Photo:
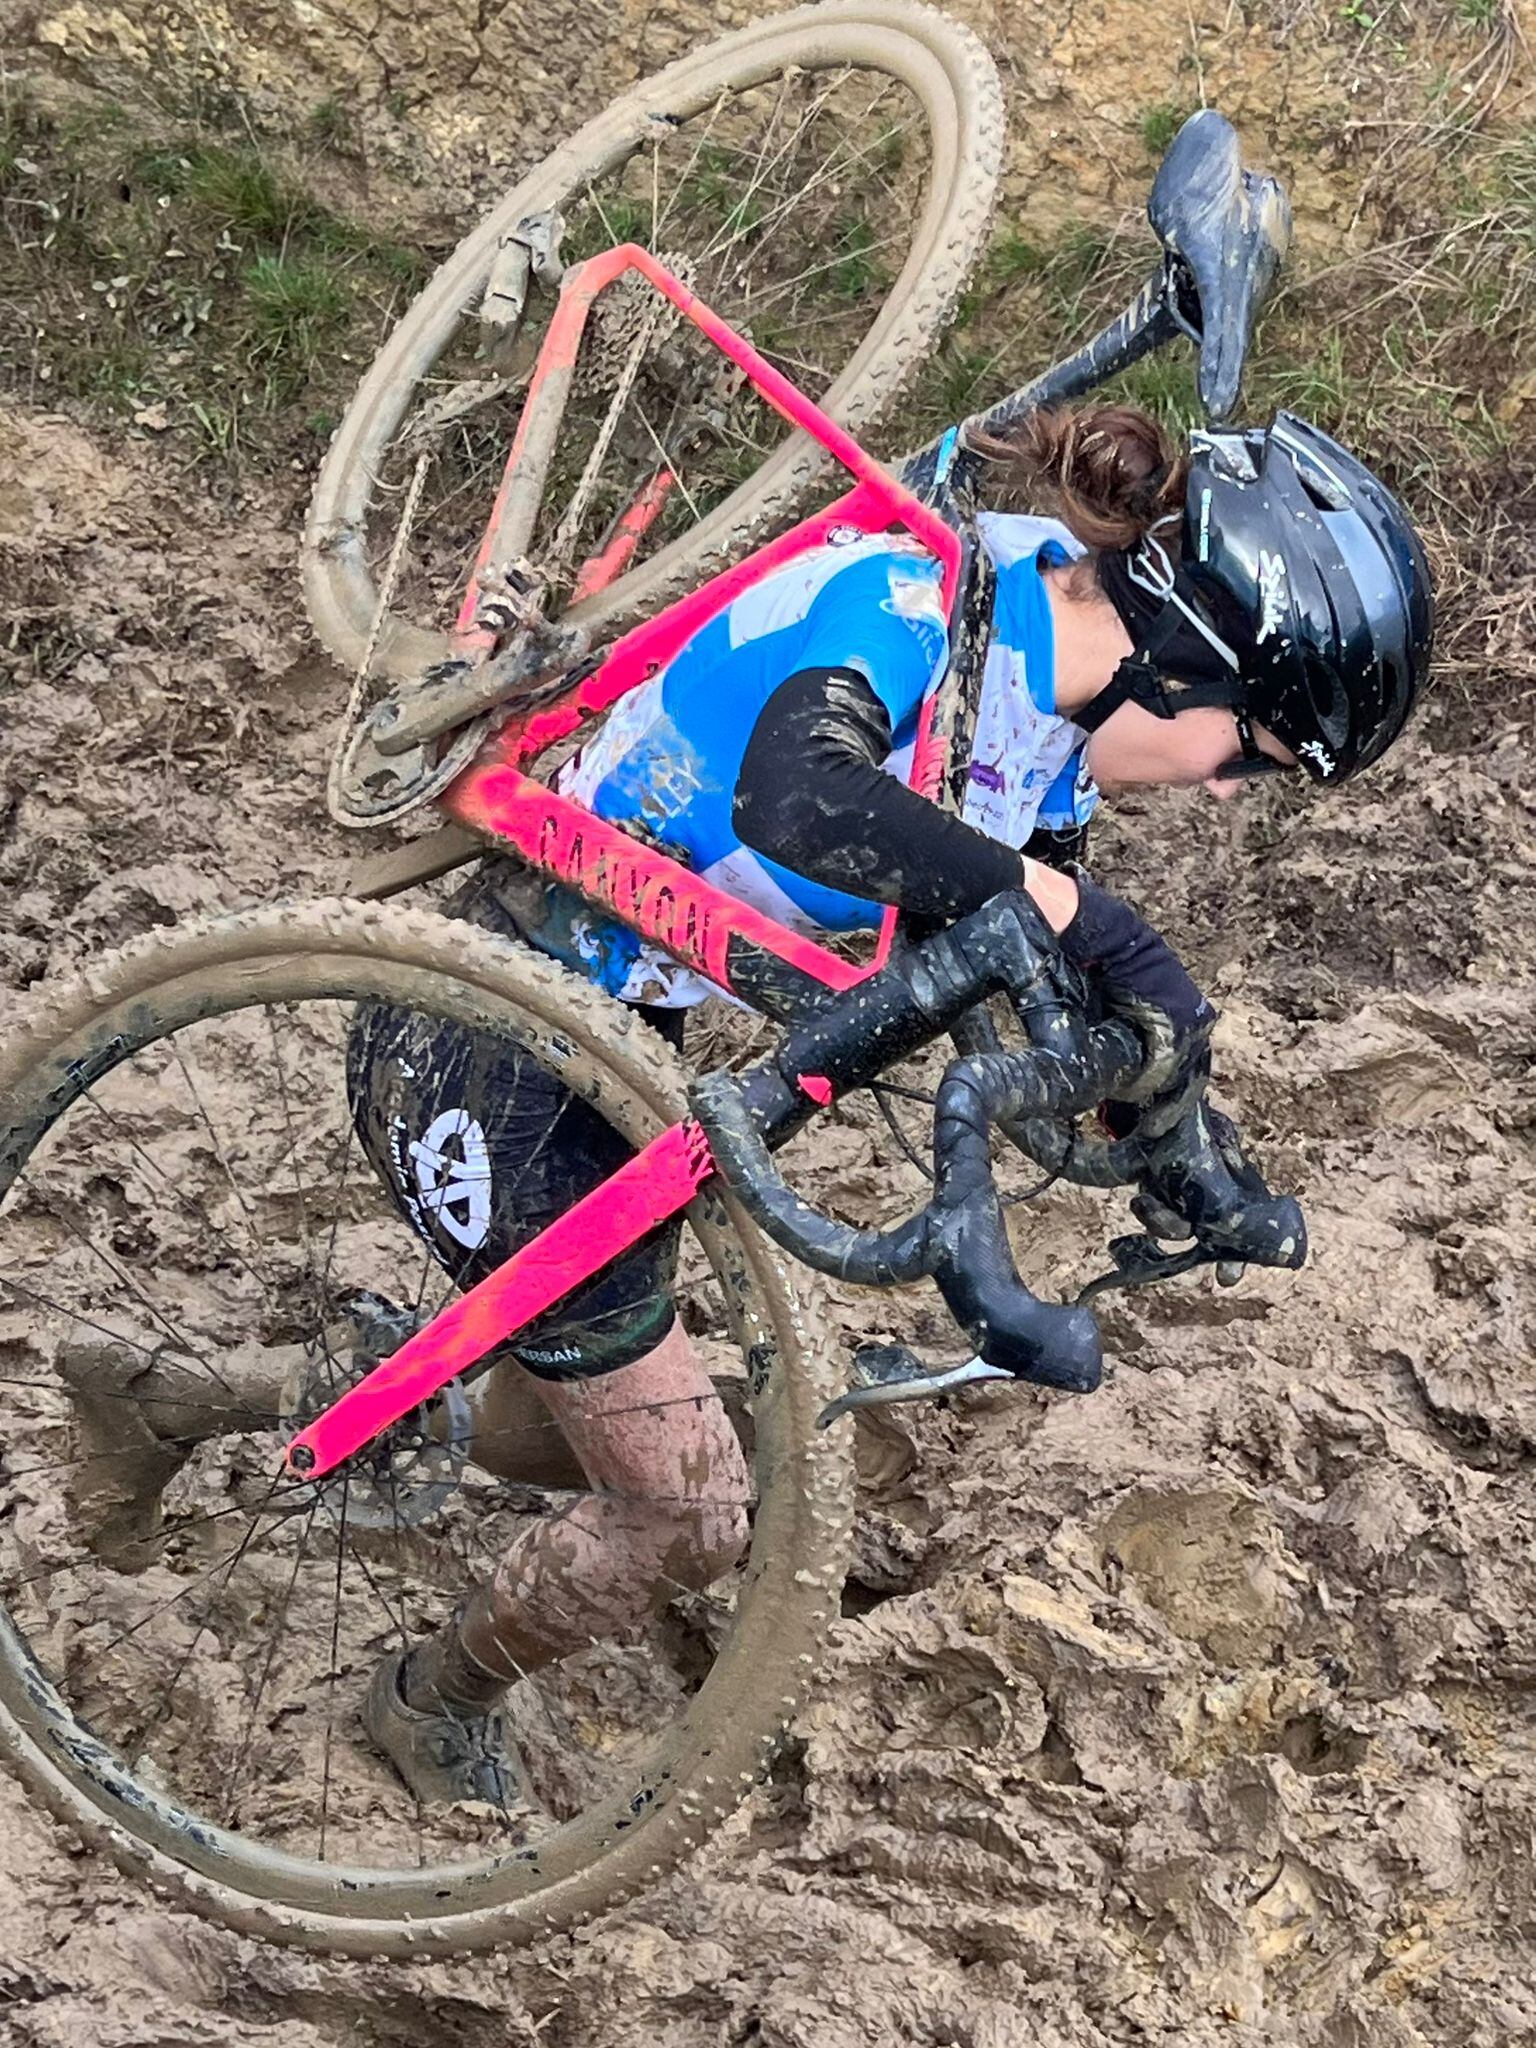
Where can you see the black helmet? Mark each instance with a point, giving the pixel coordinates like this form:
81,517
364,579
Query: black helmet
1301,599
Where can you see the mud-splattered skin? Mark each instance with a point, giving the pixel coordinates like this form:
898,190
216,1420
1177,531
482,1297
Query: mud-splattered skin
655,1522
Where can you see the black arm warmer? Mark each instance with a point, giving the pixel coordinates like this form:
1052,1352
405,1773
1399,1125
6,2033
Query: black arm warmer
812,796
1132,959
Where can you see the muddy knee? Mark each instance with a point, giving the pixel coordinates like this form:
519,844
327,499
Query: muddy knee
701,1544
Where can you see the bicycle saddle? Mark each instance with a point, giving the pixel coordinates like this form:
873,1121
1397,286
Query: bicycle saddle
1227,231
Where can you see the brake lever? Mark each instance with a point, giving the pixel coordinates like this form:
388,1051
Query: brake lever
1140,1261
890,1373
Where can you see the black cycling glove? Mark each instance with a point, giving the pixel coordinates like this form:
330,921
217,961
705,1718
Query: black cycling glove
1197,1181
1143,980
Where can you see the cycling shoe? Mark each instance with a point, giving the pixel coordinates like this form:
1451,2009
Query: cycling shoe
442,1757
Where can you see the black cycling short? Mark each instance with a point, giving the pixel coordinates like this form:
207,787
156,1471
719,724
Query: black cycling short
480,1147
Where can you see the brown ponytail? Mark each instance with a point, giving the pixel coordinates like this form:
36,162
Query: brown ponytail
1108,472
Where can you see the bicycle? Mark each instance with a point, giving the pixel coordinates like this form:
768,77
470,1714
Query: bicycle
282,1395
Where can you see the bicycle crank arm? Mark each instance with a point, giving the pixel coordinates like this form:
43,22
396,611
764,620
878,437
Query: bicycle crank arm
652,1186
456,691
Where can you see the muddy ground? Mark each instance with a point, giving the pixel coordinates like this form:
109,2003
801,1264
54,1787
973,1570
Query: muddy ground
1198,1712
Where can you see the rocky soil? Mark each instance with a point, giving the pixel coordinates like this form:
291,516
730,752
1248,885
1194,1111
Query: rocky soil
1197,1712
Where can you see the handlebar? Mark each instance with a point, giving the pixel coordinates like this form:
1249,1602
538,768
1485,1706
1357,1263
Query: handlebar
960,1237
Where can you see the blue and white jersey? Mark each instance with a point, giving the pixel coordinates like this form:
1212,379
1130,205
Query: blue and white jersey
668,757
1027,766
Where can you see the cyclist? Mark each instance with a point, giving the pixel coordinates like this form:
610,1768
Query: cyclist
1259,603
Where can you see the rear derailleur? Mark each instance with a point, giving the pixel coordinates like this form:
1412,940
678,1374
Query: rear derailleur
425,732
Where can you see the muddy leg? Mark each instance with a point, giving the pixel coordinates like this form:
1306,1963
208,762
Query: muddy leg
515,1435
668,1510
141,1409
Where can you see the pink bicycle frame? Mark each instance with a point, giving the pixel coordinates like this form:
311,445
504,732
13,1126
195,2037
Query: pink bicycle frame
657,897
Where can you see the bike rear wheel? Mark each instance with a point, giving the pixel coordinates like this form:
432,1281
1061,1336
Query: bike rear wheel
823,179
180,1675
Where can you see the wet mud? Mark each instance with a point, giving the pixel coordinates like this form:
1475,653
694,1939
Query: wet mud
1195,1712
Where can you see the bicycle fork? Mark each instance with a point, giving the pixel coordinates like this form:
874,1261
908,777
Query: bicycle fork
959,1239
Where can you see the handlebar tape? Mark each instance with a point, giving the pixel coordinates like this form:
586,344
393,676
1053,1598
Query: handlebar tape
960,1239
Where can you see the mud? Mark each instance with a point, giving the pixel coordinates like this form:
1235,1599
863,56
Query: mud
1197,1712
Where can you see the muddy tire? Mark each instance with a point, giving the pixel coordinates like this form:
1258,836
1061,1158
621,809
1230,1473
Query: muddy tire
949,73
705,1760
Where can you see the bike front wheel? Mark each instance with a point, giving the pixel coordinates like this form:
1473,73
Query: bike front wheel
189,1244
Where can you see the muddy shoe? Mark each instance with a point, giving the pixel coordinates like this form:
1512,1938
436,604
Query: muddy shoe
442,1757
124,1462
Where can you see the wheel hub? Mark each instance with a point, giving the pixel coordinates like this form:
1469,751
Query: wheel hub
406,1475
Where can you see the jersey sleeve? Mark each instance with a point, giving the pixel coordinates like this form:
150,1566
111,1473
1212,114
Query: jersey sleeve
882,617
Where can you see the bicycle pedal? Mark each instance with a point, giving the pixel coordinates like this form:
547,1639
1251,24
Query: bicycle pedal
888,1373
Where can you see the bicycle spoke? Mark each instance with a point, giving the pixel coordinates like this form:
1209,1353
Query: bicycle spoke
180,1528
770,163
815,270
332,1370
681,182
330,1249
762,229
292,1153
24,1179
330,1699
255,1697
185,1200
213,1137
49,1470
405,1645
235,1557
192,1584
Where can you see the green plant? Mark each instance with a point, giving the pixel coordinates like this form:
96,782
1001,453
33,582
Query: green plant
161,267
714,190
250,197
331,125
961,370
1160,122
855,271
219,426
608,219
1164,384
297,305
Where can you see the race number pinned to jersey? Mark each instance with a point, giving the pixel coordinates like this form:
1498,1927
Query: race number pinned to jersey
452,1164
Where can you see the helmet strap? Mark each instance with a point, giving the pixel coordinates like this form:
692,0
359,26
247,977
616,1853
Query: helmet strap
1178,639
1140,680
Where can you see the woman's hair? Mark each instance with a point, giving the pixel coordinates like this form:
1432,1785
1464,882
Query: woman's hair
1108,472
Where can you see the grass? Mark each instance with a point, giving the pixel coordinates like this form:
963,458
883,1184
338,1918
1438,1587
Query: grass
187,278
855,270
331,125
1406,347
191,276
620,218
1159,124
